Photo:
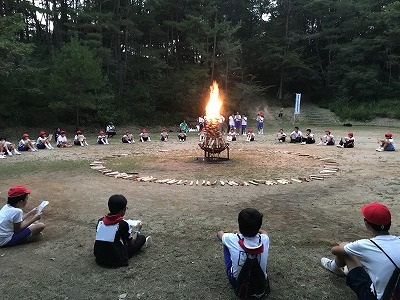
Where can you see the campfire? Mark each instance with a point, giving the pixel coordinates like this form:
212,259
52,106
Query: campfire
214,143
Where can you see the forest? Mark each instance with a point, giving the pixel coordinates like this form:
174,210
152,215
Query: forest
152,61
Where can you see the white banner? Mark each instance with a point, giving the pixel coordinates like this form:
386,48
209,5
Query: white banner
297,105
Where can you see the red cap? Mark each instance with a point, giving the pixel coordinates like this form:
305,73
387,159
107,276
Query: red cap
389,135
328,131
126,131
62,131
25,135
377,213
78,132
350,133
144,130
163,129
42,133
18,190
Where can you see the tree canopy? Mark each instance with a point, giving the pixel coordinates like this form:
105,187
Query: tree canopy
153,60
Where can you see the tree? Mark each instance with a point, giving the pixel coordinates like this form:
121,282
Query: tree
76,80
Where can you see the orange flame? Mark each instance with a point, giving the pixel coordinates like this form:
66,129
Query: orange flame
214,104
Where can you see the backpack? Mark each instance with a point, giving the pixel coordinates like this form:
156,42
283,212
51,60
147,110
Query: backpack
392,290
251,282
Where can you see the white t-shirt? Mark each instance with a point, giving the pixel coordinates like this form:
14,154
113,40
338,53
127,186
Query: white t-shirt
61,140
8,216
376,263
238,256
231,121
244,120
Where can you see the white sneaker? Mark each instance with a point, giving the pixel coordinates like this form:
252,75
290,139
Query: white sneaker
326,263
340,146
148,242
302,143
16,152
9,153
380,149
2,156
320,144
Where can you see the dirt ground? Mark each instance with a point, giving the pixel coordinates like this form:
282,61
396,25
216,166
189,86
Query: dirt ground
185,262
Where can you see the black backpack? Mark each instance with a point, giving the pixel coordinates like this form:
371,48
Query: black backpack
392,290
251,282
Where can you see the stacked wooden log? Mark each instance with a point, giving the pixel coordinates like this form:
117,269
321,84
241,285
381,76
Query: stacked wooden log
214,142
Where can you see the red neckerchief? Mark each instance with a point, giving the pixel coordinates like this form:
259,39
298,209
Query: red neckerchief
112,219
255,251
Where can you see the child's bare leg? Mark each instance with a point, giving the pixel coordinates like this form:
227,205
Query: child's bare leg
347,260
36,228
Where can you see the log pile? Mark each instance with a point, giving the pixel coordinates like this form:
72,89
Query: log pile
213,142
330,168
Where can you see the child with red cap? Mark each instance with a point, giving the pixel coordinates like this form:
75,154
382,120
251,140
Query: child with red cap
102,139
164,135
15,226
250,239
26,144
127,138
347,141
80,139
250,135
366,266
43,141
328,139
387,144
144,136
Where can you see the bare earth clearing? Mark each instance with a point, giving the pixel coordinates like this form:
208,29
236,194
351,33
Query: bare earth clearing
303,219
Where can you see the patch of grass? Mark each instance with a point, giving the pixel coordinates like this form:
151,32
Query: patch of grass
18,169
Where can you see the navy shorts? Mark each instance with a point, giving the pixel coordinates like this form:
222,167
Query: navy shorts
19,238
360,282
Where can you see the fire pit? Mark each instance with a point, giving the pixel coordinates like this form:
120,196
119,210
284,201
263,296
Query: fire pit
214,143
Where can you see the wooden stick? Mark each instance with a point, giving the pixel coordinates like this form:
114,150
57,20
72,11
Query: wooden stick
253,182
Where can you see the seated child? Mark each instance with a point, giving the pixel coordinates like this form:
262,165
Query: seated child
43,141
110,130
249,240
250,135
26,144
281,136
365,265
202,135
347,141
102,139
327,140
7,147
231,137
15,226
182,136
144,136
387,144
80,139
56,134
62,141
164,135
296,135
308,138
127,138
115,241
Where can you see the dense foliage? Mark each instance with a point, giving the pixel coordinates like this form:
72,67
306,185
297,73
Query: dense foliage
152,61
